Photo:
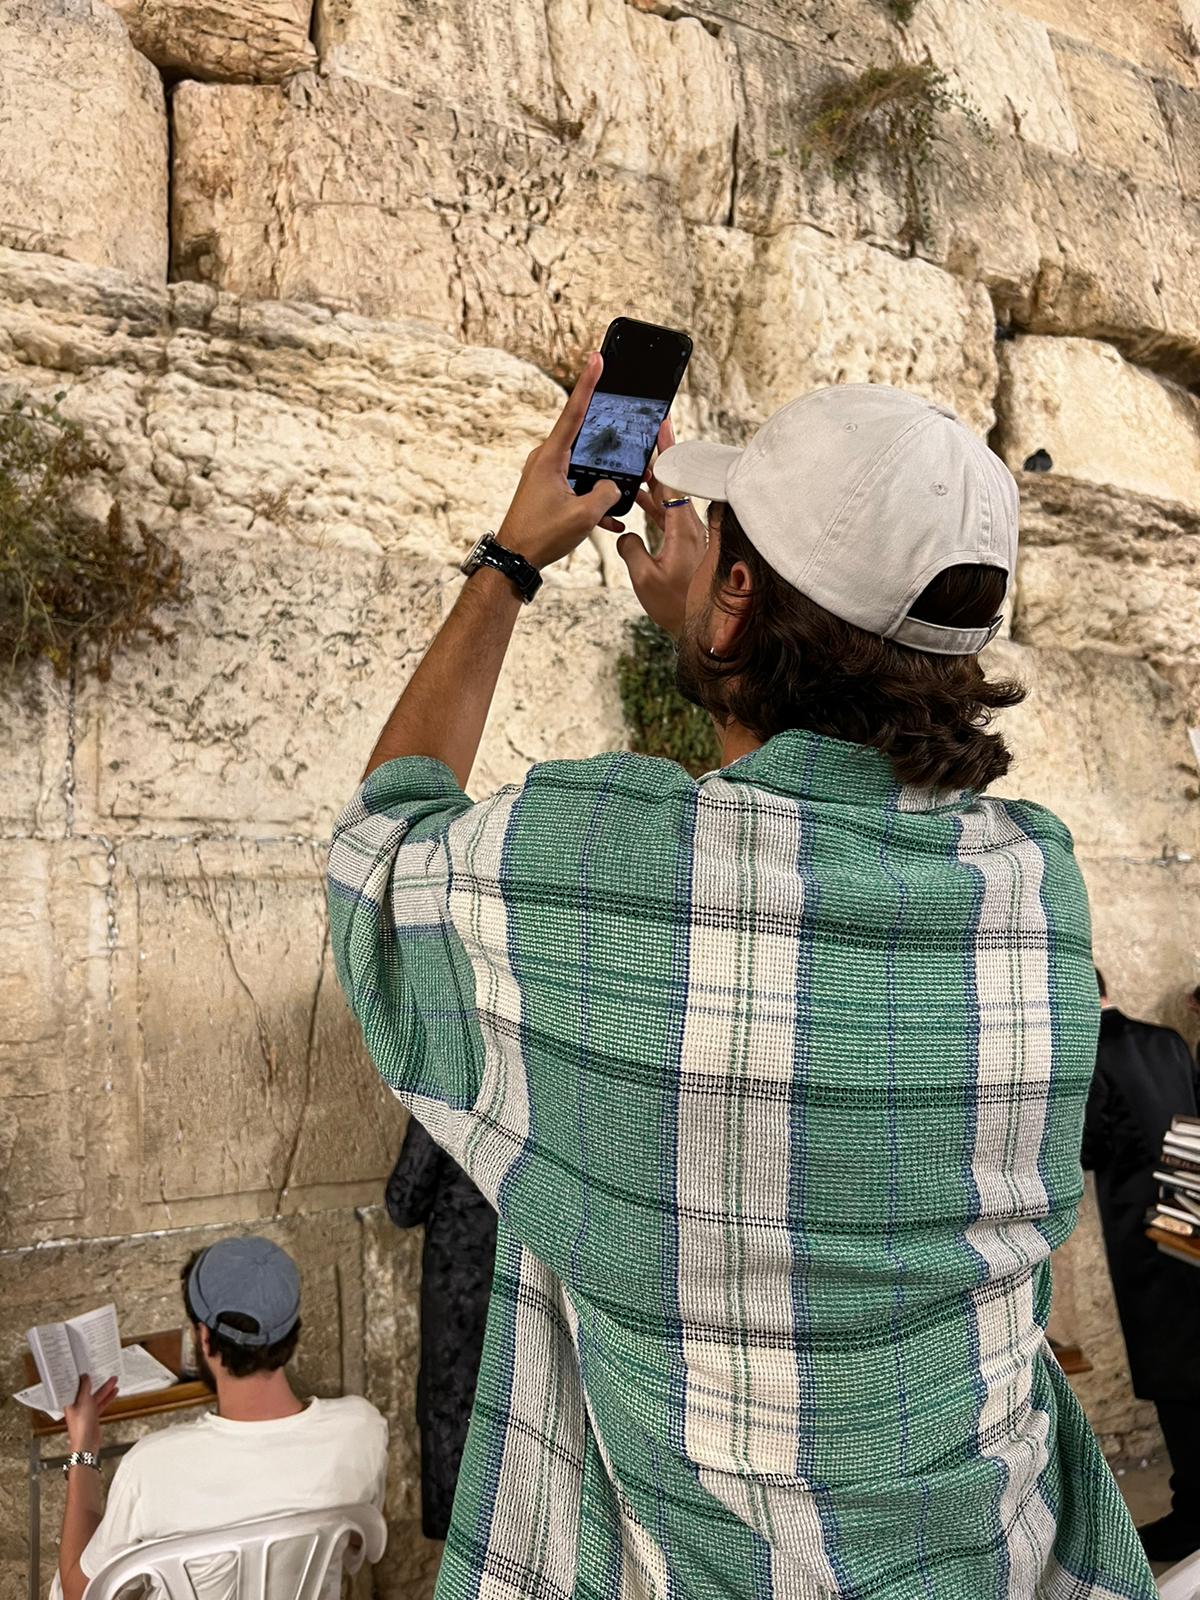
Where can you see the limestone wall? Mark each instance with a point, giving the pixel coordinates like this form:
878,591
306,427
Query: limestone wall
312,279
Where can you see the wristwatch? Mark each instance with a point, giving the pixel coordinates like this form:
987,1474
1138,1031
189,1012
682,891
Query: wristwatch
81,1458
526,579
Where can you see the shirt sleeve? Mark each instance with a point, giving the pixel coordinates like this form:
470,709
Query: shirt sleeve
403,970
119,1528
417,922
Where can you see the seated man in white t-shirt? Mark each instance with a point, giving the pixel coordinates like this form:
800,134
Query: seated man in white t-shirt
262,1454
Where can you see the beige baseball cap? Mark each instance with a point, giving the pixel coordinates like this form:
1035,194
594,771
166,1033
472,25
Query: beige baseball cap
859,496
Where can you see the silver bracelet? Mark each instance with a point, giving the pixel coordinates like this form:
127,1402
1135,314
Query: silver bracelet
81,1458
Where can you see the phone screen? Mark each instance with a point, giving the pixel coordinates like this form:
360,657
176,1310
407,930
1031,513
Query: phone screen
643,366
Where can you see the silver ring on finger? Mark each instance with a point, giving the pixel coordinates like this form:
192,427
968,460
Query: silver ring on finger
684,500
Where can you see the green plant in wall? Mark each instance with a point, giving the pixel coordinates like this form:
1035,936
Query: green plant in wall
892,112
660,721
69,588
900,10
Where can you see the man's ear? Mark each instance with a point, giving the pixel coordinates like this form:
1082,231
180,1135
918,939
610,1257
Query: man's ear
204,1336
729,614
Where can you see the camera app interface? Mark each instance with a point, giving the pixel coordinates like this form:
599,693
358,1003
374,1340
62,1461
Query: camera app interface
635,393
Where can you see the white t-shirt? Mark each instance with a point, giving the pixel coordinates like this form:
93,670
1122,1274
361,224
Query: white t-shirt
214,1473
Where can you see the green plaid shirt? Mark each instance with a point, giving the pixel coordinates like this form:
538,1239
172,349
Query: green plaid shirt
776,1080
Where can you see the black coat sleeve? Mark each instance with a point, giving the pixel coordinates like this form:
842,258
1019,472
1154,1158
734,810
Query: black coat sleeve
1097,1125
413,1185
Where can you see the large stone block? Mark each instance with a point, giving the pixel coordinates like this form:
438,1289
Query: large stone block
351,195
1145,922
810,311
54,1083
1111,569
965,208
492,62
650,96
83,138
1099,417
250,1077
1151,34
1097,274
227,41
1116,113
1002,63
1128,796
323,476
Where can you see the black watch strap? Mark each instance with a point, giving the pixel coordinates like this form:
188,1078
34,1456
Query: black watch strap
525,577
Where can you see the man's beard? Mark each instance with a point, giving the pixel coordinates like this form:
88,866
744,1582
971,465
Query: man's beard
690,653
203,1368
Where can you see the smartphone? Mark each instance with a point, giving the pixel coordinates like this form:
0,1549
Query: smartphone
643,366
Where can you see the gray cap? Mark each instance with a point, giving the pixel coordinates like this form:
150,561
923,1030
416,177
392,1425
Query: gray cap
859,496
252,1278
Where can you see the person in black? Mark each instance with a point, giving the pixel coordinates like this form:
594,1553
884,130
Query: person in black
1145,1075
456,1280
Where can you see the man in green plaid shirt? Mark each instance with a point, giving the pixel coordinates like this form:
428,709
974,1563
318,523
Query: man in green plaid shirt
776,1078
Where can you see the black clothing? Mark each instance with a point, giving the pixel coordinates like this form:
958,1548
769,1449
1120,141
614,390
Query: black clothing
1144,1076
1180,1423
456,1280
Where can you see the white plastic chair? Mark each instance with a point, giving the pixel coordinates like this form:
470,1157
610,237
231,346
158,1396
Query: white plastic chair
1182,1581
328,1534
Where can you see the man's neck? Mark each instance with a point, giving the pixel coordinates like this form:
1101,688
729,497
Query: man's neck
265,1397
737,742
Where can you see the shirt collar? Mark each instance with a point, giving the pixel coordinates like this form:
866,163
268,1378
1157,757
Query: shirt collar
813,766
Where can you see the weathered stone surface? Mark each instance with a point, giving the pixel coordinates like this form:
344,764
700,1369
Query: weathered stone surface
280,1094
1126,797
1099,418
1151,33
34,798
392,1283
809,312
1116,114
1003,64
1180,107
650,96
1096,276
229,41
493,62
1114,569
305,469
351,195
53,948
83,138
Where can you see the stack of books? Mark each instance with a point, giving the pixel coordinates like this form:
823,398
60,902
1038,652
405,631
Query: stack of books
1174,1223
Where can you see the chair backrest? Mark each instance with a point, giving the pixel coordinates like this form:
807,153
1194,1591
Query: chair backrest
1182,1581
312,1540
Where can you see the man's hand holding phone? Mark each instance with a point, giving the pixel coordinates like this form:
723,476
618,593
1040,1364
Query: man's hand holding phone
547,519
661,580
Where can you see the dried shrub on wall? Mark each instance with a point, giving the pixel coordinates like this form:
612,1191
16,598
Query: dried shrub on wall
900,10
70,589
893,112
660,721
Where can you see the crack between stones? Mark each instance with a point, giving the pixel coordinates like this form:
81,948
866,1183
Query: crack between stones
306,1095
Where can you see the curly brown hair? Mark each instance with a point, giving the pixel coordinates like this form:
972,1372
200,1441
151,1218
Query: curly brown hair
796,665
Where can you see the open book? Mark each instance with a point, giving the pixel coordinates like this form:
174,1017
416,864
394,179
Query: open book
64,1351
